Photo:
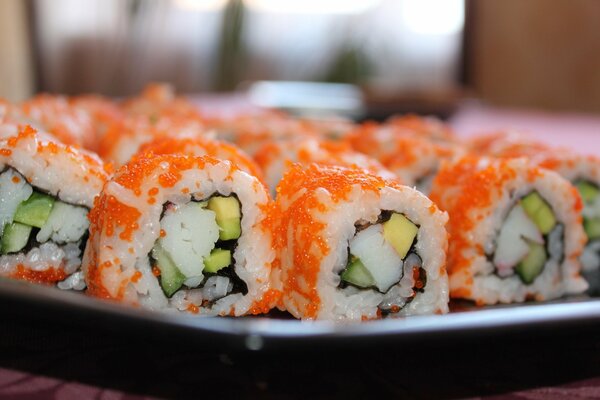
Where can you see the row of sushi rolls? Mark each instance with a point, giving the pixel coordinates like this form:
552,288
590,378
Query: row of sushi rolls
151,202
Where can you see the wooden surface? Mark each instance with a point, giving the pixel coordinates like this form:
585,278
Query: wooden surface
536,53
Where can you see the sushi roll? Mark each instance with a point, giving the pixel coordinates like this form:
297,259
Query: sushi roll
55,114
515,228
251,132
198,146
275,157
414,158
182,233
124,138
353,246
46,191
427,127
582,171
156,113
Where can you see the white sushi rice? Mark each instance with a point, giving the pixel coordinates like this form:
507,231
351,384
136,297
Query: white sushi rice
351,303
46,256
378,256
557,279
191,233
66,223
252,256
73,176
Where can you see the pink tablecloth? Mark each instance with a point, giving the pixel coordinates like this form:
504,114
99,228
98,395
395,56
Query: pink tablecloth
580,132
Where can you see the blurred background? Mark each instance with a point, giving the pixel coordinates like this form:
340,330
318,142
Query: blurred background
402,55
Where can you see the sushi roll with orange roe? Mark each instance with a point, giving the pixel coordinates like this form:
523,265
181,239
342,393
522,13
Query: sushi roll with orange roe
198,146
250,132
581,170
515,228
47,189
275,157
102,111
414,158
124,138
353,246
426,127
156,113
160,99
55,114
182,233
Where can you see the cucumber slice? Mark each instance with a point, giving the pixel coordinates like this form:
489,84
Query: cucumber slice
218,259
357,274
228,216
15,237
171,279
35,210
588,191
533,264
592,227
539,211
400,233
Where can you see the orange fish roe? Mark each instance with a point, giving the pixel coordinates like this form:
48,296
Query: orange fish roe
109,213
410,155
16,179
460,292
137,275
275,155
266,303
203,147
91,165
194,309
50,276
156,271
308,241
5,152
95,286
461,189
133,174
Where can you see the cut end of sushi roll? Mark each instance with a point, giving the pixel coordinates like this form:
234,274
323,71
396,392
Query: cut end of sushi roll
516,231
196,244
186,235
383,257
352,246
45,190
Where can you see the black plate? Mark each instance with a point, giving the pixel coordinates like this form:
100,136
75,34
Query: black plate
279,330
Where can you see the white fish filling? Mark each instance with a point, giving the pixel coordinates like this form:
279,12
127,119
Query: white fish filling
11,195
399,294
511,245
66,223
191,233
378,256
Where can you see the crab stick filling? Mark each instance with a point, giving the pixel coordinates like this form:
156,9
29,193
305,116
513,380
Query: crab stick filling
528,238
196,246
382,257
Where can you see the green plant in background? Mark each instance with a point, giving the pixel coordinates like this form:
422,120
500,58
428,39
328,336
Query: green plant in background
231,48
350,65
